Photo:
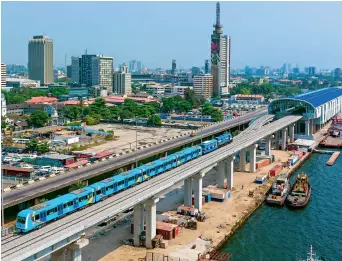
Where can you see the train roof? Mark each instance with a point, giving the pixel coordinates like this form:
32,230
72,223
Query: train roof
82,191
209,141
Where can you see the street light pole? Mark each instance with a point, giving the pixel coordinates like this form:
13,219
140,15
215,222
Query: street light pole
136,142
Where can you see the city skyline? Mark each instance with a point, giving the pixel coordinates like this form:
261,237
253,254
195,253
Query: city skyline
255,42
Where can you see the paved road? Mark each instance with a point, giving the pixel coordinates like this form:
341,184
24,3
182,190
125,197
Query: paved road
73,225
43,187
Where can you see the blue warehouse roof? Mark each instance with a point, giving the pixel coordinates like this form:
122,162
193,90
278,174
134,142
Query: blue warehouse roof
319,97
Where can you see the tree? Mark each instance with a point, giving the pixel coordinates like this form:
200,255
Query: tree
91,120
154,120
184,106
114,112
76,186
130,105
32,145
216,115
125,114
143,111
43,147
38,119
155,105
207,108
3,124
98,103
72,112
58,91
169,104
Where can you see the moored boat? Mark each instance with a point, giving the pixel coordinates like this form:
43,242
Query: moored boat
300,192
280,189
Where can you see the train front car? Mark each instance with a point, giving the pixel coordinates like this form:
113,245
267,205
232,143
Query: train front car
224,139
24,222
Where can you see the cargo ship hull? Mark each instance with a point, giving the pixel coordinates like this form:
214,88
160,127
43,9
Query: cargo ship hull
276,200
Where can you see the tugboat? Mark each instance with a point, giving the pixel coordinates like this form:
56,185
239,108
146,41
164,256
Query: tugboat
280,189
300,193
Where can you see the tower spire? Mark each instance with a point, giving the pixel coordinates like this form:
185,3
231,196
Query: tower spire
218,26
217,13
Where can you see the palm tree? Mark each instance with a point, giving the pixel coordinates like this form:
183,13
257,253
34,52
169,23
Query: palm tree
76,186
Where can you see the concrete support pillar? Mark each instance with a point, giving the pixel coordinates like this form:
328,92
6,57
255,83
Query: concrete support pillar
187,192
252,155
242,160
165,153
59,255
138,218
276,136
230,172
284,138
312,125
74,251
268,141
151,206
85,183
291,132
307,127
36,201
198,190
220,174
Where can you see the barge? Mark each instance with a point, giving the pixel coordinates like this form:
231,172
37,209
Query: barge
280,189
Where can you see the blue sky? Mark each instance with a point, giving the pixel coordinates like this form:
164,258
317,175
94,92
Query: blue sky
263,33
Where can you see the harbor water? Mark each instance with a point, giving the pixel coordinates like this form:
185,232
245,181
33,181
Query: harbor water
273,234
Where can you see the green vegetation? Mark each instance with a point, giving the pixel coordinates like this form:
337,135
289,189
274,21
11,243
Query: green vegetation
215,113
58,91
38,119
34,145
22,94
3,124
76,186
154,120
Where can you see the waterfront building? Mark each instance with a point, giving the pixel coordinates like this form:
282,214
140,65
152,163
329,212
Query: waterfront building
122,81
3,75
220,58
76,65
203,85
40,59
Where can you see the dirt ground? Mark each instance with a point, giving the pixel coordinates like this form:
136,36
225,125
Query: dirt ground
127,136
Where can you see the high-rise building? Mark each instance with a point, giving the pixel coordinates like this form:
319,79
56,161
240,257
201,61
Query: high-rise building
86,69
174,67
312,70
69,71
220,58
3,75
135,66
203,85
139,67
76,69
295,70
40,59
102,72
195,70
122,81
337,73
206,66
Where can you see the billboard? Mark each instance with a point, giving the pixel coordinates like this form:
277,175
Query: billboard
215,49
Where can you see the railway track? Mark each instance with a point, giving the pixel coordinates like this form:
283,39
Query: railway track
95,214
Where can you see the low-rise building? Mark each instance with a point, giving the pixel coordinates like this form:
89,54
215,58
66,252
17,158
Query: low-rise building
155,89
21,82
180,90
41,100
3,105
250,97
25,109
57,160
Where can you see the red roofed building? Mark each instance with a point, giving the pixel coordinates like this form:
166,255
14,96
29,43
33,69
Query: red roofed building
41,99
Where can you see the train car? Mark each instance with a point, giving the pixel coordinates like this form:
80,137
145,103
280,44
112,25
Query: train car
120,182
167,163
37,216
208,146
188,154
224,139
104,188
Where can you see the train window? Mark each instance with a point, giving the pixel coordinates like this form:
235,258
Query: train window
76,200
21,220
69,204
50,211
111,187
120,183
36,217
55,210
65,205
98,192
131,178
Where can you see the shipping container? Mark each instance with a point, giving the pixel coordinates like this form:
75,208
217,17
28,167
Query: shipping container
261,179
187,211
275,170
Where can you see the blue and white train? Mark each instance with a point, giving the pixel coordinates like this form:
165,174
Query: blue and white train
41,214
